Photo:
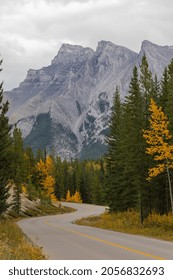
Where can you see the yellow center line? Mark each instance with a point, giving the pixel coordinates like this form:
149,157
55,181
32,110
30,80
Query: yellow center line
106,242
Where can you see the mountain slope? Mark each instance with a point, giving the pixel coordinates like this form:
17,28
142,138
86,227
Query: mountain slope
65,106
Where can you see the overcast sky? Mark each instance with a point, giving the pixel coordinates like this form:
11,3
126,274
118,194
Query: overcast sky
32,31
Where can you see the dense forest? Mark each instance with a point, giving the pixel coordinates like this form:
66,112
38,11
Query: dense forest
135,173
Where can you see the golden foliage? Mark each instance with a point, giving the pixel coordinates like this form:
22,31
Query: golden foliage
41,167
158,136
68,196
77,197
74,198
47,180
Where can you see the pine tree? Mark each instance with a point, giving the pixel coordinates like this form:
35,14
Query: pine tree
30,172
59,179
147,86
136,161
169,104
85,182
127,162
164,89
114,157
18,168
5,151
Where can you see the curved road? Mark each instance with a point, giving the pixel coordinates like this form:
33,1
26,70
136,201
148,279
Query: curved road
61,239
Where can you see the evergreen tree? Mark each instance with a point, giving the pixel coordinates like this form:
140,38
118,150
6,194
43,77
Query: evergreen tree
114,156
30,172
169,104
147,86
166,102
85,184
135,163
18,168
164,89
5,151
127,162
59,179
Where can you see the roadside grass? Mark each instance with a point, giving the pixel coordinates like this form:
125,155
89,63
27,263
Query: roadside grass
42,210
14,245
156,226
48,209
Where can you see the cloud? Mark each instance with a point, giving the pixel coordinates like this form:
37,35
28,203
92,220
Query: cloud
31,31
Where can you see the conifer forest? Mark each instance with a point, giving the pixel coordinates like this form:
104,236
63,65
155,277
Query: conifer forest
135,173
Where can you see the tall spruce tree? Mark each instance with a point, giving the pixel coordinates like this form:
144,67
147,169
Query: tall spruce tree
113,185
18,168
147,87
169,104
163,99
5,151
135,164
166,102
127,162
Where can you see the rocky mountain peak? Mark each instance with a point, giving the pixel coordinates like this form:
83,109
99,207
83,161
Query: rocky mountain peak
71,53
66,106
109,47
147,44
156,55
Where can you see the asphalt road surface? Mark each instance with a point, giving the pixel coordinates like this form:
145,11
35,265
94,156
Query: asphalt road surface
61,239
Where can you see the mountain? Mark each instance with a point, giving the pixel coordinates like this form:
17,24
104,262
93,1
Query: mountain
65,107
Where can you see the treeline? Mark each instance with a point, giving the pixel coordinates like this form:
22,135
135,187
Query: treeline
127,160
42,177
117,180
49,177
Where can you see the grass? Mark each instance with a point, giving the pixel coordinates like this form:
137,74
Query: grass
47,209
155,225
14,245
42,210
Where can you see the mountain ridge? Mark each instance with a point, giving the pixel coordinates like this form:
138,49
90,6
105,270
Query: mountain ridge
68,103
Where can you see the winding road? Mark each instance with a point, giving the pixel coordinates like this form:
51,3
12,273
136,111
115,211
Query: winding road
61,239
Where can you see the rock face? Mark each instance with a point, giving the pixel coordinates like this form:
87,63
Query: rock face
65,107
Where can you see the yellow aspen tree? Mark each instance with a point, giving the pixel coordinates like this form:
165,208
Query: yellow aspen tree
157,137
74,198
49,165
47,180
48,184
41,167
77,197
68,196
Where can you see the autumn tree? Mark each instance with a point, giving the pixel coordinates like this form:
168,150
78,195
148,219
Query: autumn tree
47,180
158,137
76,197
